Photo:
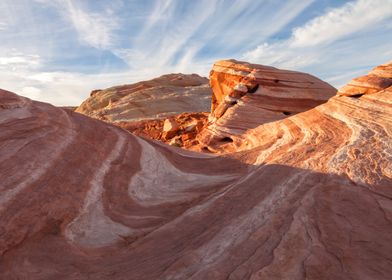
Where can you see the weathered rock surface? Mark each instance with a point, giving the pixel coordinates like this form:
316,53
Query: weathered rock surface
306,197
181,132
154,99
377,79
144,107
248,95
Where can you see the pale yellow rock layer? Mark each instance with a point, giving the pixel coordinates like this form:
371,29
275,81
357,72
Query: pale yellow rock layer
154,99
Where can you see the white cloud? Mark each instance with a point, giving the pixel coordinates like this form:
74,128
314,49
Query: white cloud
180,36
13,60
187,60
43,77
168,39
3,26
339,22
172,39
160,11
338,45
157,47
31,92
65,88
93,29
24,60
281,55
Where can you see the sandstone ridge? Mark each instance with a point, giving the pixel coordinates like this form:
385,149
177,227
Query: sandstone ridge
305,197
158,98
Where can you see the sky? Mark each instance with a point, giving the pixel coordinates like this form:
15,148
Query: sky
57,51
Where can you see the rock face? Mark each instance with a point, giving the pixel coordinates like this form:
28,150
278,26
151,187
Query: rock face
306,197
247,95
158,98
181,130
377,79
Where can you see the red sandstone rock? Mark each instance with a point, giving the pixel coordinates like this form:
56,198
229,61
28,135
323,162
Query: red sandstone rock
376,80
170,129
143,108
186,123
248,95
170,125
306,197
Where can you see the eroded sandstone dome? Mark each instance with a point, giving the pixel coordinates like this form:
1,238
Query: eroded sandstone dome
158,98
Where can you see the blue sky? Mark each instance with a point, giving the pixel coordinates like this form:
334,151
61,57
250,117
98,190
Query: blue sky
57,51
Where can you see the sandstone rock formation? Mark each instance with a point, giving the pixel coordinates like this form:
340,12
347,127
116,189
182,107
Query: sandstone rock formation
377,79
155,99
244,96
182,131
306,197
248,95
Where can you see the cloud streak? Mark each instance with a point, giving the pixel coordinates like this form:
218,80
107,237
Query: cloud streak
3,26
58,51
94,29
334,45
340,22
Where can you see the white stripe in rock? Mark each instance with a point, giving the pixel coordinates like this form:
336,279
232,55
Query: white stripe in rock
92,228
240,228
57,149
159,181
286,138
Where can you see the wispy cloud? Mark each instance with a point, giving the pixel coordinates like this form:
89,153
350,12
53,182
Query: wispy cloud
343,21
25,61
175,34
3,26
95,29
16,60
160,12
336,44
59,50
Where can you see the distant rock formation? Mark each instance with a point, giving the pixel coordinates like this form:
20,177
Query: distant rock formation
304,197
376,80
158,98
248,95
243,96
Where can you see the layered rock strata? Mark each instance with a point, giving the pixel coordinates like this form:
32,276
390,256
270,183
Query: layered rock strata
306,197
158,98
376,80
247,95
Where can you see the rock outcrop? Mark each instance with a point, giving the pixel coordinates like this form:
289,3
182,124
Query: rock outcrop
243,96
248,95
305,197
158,98
376,80
180,131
